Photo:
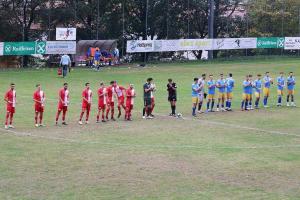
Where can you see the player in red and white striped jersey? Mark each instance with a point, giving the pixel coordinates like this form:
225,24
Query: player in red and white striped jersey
39,103
11,99
86,103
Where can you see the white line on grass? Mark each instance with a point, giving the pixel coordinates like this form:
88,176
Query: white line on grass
224,124
162,146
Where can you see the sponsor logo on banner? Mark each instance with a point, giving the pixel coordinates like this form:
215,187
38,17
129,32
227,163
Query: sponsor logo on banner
166,45
234,43
1,48
292,43
140,46
61,47
195,44
24,48
270,42
65,33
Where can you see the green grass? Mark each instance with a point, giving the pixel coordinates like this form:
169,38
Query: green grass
237,156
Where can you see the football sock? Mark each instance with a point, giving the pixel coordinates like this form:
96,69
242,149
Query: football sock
288,98
194,110
41,118
207,105
81,115
57,115
279,99
212,104
242,104
292,98
6,118
64,115
11,118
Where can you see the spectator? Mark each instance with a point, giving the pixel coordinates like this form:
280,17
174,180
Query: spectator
65,62
97,59
116,55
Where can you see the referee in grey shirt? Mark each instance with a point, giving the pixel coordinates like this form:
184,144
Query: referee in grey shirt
65,62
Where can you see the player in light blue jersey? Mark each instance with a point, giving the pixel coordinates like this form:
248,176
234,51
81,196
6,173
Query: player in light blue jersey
267,84
229,90
250,107
280,87
258,89
211,85
290,82
247,87
221,85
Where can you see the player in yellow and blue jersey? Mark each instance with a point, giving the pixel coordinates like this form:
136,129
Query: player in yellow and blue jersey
247,87
221,85
280,87
267,84
195,95
291,82
229,90
251,92
211,85
258,87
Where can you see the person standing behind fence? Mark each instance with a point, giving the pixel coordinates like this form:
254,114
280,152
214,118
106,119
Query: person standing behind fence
65,62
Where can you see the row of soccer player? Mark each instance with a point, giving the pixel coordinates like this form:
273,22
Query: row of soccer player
260,86
105,103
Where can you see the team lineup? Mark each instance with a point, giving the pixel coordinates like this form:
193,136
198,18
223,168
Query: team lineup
202,89
225,87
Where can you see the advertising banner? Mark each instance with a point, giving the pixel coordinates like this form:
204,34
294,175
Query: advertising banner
270,42
134,46
1,48
61,47
234,43
292,43
65,33
24,48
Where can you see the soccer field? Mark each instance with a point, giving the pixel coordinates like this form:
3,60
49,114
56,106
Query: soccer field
224,155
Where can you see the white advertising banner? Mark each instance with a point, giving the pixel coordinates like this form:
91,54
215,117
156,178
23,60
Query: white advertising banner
1,48
292,43
65,33
234,43
134,46
61,47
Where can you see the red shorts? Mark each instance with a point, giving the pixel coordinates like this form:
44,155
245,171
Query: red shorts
111,104
129,106
10,109
121,100
38,108
86,106
61,107
101,106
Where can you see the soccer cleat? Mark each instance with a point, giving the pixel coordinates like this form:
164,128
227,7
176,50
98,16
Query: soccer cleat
149,117
97,121
6,127
56,123
86,122
266,106
218,110
288,104
42,125
80,122
224,110
36,125
113,119
64,123
293,104
144,117
11,126
103,120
